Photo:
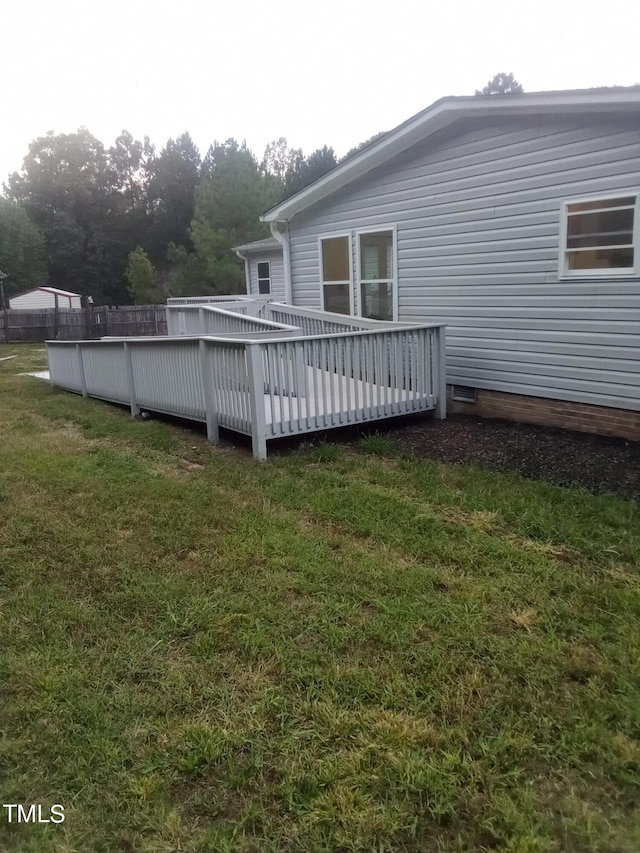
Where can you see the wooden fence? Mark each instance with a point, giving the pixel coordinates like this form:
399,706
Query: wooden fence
81,324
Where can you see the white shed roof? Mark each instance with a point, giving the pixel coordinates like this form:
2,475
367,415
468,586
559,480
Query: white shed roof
55,290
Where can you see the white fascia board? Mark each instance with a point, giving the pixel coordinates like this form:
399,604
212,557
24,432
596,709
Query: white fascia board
440,114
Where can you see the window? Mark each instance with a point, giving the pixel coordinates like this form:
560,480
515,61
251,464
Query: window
335,273
600,237
264,277
377,286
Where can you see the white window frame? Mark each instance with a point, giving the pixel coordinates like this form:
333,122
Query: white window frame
332,236
394,263
600,273
260,278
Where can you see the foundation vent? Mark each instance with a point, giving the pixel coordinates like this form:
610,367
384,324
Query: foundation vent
464,394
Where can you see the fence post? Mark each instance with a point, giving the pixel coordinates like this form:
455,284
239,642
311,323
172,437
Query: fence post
441,373
256,396
6,325
107,310
87,320
131,387
83,379
206,371
56,317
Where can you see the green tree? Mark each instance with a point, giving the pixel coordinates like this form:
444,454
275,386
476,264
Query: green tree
278,159
188,275
305,170
362,145
22,249
174,175
232,195
142,279
501,84
67,188
129,162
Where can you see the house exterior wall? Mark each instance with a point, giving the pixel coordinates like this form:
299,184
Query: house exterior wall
478,215
275,259
43,299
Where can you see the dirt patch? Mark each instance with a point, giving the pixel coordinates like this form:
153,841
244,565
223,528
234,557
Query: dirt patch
559,456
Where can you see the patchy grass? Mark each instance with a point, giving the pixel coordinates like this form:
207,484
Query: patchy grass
203,653
377,444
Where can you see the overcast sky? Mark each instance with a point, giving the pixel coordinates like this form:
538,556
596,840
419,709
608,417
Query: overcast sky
329,72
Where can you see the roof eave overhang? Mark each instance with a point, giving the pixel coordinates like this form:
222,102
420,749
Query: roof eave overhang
438,116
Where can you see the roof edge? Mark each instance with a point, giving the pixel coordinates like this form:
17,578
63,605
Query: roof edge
440,114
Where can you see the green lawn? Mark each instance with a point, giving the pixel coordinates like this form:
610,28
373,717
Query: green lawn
336,650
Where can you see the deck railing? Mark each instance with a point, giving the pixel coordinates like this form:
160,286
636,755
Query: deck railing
243,304
314,322
268,387
212,320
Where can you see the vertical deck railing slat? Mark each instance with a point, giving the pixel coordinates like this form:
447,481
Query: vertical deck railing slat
313,359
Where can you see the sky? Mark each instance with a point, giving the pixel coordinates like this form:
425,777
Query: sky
333,72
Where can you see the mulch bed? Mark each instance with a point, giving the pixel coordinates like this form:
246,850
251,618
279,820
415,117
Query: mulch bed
563,457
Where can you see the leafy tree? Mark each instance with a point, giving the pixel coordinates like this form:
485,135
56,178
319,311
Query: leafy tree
142,279
305,170
22,249
362,145
129,162
502,84
66,187
229,202
279,159
188,274
173,178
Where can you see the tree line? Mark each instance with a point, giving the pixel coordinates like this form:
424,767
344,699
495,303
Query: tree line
130,223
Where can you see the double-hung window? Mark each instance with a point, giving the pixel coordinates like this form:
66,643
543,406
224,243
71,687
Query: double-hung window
335,271
377,274
264,277
601,237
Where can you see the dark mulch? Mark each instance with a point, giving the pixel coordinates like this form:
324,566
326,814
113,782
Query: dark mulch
559,456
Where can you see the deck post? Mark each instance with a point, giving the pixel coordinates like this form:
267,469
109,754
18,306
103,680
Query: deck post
206,371
256,396
441,373
83,379
201,320
131,386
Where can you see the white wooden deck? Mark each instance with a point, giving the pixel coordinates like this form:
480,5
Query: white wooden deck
262,380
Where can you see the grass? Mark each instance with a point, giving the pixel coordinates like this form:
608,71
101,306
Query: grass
338,650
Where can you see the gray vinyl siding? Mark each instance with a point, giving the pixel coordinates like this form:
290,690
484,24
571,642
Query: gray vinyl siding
478,213
277,272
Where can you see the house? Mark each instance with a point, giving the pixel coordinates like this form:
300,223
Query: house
263,267
514,220
45,297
